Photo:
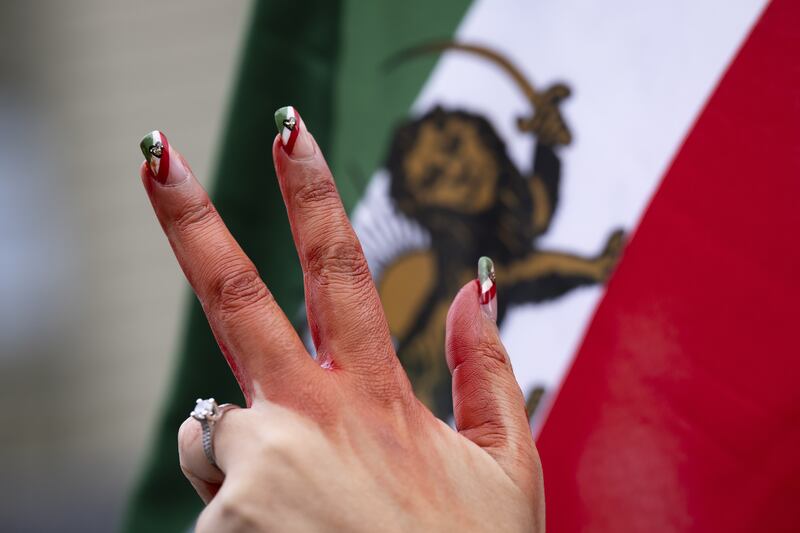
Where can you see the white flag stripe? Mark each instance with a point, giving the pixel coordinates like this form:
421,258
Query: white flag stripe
640,73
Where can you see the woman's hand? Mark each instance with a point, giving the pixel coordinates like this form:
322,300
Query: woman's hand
339,443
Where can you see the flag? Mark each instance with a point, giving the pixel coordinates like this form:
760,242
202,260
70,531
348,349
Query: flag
680,411
629,166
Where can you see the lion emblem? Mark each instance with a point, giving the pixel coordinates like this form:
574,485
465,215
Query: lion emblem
451,174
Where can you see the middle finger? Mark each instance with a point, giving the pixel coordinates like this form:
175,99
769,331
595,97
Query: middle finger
344,312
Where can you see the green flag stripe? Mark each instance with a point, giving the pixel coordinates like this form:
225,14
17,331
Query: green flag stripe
371,98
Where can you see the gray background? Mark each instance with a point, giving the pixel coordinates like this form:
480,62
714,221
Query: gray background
91,300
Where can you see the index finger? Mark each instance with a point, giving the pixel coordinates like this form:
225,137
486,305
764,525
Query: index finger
260,344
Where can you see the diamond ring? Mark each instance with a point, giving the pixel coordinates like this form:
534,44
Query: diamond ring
207,412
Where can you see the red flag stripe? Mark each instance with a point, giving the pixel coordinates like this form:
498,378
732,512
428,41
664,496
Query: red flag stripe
681,410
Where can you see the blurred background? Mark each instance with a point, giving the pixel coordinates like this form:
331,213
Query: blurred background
91,299
92,303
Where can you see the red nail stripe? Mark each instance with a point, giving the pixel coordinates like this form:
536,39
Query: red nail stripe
293,135
163,163
487,296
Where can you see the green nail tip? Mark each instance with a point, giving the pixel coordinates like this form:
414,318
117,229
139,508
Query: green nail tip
485,269
147,143
280,117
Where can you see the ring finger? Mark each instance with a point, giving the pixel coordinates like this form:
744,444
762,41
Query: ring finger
205,477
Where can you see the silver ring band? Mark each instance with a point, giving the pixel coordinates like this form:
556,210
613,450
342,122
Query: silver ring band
208,447
207,412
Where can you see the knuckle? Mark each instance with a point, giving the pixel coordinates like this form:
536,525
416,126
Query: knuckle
491,352
492,434
226,514
289,441
194,215
238,288
387,382
484,362
232,513
280,445
315,192
330,259
385,391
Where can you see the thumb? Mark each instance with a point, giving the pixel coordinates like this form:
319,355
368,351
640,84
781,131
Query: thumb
488,405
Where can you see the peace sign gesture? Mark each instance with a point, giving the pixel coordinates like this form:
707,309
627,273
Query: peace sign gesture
339,442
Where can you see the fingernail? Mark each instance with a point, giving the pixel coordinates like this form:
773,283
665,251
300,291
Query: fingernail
486,280
295,139
156,150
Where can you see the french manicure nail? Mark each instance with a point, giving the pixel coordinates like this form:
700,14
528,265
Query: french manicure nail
155,148
488,287
295,139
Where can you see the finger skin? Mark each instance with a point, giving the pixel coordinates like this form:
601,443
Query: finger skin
257,339
345,315
205,477
488,405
